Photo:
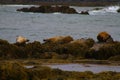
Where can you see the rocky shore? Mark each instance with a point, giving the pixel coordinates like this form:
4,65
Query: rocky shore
62,47
59,49
16,71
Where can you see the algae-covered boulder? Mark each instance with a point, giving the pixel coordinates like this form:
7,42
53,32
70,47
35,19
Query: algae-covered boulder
115,58
3,42
12,71
86,42
103,51
104,37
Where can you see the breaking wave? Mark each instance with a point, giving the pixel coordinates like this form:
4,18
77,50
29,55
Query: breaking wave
106,10
57,13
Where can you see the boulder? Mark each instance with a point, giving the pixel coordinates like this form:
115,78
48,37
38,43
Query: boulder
84,12
85,42
118,10
104,37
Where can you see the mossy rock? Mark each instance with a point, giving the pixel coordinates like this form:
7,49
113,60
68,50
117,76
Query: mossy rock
3,42
115,58
12,71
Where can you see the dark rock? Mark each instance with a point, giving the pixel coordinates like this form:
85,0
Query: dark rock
118,10
84,12
23,9
97,8
49,9
85,42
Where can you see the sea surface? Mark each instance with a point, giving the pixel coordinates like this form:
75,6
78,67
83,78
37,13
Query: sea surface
38,26
83,67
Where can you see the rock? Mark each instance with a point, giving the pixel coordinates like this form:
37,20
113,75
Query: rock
97,46
97,8
86,42
84,12
23,9
49,9
104,37
59,39
118,10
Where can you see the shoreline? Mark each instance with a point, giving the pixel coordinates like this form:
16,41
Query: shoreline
18,71
60,61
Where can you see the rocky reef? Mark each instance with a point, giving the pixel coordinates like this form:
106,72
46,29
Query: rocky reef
63,47
49,9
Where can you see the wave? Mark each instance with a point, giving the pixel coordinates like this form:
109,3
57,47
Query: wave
106,10
57,13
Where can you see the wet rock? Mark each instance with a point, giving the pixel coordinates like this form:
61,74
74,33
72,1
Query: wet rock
49,9
97,46
86,42
104,37
118,10
84,12
103,51
23,9
97,8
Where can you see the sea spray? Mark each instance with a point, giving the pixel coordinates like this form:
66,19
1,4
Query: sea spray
104,11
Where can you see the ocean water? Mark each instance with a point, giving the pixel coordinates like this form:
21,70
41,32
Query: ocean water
38,26
83,67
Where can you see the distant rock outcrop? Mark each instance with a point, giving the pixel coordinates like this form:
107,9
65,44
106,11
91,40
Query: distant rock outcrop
49,9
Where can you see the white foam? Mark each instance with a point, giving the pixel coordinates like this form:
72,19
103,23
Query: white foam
57,13
106,10
112,9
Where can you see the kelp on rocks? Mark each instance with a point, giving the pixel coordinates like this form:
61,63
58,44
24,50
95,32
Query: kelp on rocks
61,51
75,49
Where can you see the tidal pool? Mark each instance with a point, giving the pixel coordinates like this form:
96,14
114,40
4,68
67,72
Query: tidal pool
85,67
